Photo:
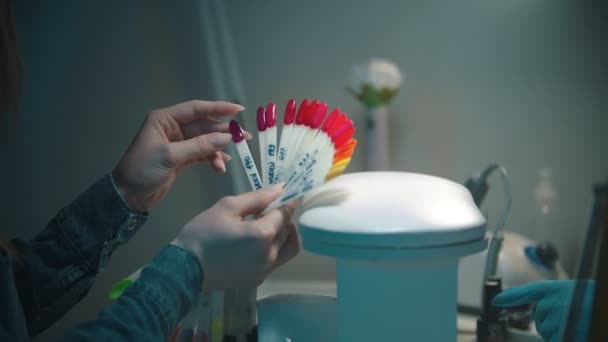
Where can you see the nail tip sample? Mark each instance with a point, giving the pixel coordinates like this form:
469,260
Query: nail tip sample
290,112
261,119
336,146
271,115
330,119
304,106
236,131
310,112
318,116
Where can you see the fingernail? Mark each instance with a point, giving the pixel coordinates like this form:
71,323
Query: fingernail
222,139
222,168
241,108
278,186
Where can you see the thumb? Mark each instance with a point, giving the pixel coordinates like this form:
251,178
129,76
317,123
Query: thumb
198,148
254,202
525,294
291,247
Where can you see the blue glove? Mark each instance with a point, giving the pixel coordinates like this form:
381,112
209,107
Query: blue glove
552,300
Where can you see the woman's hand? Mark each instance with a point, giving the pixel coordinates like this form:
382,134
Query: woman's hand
238,253
169,140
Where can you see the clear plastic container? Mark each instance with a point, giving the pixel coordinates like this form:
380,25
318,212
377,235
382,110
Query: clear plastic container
240,307
196,326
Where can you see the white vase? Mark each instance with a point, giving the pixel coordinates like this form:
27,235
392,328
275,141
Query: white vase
376,139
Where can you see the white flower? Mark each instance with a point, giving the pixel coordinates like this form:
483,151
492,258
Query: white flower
376,83
378,73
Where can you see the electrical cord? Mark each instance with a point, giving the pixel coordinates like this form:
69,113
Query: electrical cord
489,323
478,186
500,224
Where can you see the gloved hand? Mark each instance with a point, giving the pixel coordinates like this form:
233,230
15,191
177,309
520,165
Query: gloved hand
238,253
169,140
552,300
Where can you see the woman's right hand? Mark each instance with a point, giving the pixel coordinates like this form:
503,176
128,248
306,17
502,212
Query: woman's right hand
238,253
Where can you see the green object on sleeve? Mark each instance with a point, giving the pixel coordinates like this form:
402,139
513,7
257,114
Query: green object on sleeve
119,288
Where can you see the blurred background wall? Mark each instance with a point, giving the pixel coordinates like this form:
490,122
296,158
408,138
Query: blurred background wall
517,82
513,81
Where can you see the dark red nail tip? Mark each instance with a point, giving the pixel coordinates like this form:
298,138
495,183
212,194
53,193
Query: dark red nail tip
261,119
236,131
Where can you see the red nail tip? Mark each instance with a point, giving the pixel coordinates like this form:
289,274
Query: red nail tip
235,130
261,119
271,115
290,112
343,138
330,119
301,111
310,112
318,116
339,130
338,122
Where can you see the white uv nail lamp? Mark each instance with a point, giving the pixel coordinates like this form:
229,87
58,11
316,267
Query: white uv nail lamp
397,238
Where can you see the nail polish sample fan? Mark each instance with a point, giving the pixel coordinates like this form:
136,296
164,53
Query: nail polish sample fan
397,238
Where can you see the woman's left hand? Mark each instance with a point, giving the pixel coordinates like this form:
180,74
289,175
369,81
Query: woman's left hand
169,140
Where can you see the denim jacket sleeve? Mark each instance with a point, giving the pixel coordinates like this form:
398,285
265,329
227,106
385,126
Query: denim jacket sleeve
61,262
149,309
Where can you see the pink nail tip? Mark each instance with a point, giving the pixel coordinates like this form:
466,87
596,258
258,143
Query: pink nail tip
261,119
271,115
290,112
236,131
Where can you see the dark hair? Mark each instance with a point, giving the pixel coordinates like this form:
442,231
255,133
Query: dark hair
7,247
10,64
